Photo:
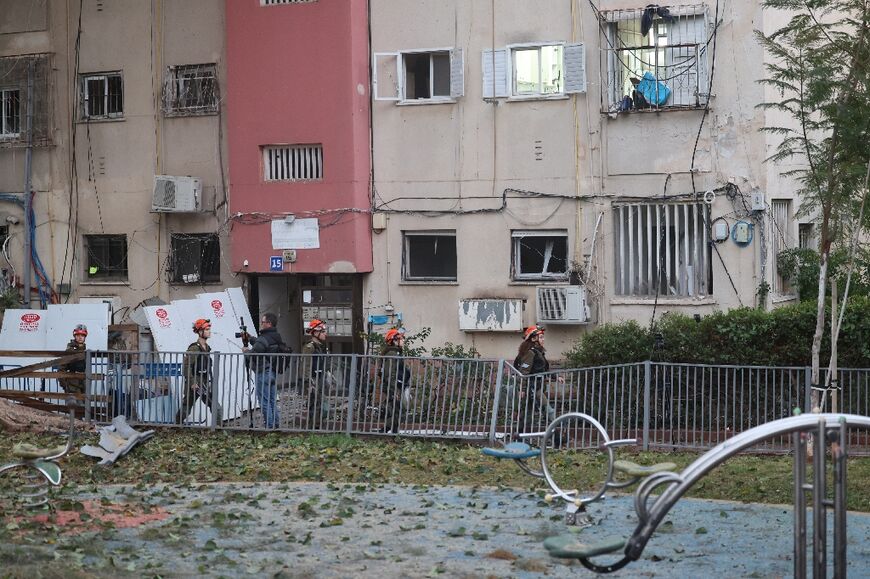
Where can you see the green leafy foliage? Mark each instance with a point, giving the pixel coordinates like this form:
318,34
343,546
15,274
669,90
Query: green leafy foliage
9,299
744,336
801,266
451,350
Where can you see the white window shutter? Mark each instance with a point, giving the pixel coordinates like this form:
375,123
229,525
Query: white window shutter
457,73
495,73
574,65
386,76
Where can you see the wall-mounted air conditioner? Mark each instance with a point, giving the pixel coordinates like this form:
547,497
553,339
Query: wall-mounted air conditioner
176,194
562,304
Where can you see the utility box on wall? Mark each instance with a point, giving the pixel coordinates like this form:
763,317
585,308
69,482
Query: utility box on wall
491,315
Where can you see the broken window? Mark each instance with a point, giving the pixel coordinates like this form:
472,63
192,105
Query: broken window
102,96
656,57
10,112
195,257
293,162
429,256
781,239
662,249
540,255
419,75
107,257
191,90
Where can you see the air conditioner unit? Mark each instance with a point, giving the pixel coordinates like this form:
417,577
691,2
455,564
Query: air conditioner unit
176,194
562,304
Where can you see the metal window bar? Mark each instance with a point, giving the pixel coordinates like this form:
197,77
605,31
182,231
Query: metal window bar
293,163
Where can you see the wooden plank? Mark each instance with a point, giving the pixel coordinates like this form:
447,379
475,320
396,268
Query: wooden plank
32,353
52,374
25,394
16,372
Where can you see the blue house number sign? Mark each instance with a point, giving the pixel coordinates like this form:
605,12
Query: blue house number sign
276,263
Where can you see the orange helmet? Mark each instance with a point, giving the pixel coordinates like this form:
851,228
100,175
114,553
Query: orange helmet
201,324
532,331
80,330
314,325
393,334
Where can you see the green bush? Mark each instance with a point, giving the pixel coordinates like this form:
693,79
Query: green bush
744,336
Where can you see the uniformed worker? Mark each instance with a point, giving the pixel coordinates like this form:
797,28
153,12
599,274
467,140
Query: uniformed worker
531,361
77,344
316,348
396,379
197,372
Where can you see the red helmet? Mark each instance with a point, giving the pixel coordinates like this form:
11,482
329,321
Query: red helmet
392,335
315,325
532,331
201,324
80,330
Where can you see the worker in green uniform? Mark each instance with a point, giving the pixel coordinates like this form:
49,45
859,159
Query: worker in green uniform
316,348
197,372
396,380
77,344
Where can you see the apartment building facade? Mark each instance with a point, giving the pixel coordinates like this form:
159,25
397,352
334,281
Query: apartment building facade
123,91
569,162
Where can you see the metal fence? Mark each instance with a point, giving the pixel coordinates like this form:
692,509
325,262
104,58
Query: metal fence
662,405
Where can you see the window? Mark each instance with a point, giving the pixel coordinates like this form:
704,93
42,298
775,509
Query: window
656,58
195,257
107,257
102,96
419,76
279,2
806,236
293,162
429,256
540,255
10,112
537,70
534,70
780,239
191,90
663,249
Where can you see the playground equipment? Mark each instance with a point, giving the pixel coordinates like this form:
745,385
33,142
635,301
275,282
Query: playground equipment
827,430
576,502
41,466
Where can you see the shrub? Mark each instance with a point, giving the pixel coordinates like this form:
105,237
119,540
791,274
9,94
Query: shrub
743,336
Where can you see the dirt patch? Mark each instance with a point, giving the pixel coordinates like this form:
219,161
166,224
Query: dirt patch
18,418
92,515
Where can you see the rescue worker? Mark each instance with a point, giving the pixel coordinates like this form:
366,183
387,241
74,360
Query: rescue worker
396,379
531,361
197,372
77,344
316,348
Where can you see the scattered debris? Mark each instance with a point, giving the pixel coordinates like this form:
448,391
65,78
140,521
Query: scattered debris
116,440
18,418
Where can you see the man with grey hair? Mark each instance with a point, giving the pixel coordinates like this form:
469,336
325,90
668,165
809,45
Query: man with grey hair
269,341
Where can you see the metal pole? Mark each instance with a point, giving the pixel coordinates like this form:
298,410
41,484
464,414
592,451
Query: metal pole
840,538
832,379
88,373
647,379
215,374
800,506
351,392
496,400
28,170
820,512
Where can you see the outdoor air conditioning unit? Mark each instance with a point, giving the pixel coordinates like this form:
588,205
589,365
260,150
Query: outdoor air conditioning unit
176,194
562,305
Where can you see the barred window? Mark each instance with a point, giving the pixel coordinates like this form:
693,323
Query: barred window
293,162
195,257
102,96
663,249
107,257
191,90
656,57
10,112
782,219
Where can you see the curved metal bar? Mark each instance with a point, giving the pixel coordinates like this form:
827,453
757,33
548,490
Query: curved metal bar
605,568
72,432
641,495
719,454
607,447
10,466
521,462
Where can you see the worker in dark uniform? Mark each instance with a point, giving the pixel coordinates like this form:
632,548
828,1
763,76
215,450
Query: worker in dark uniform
77,344
316,348
396,380
197,372
531,362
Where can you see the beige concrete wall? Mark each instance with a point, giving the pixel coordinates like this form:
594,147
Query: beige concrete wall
116,160
474,148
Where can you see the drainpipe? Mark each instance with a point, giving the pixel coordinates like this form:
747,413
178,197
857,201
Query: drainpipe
28,168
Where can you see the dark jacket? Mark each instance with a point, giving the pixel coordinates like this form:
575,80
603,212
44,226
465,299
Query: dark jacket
268,342
532,362
196,367
317,351
395,372
73,385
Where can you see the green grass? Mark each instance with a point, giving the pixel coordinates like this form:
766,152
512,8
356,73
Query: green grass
180,457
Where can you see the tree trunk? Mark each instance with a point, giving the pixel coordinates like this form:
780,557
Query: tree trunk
820,329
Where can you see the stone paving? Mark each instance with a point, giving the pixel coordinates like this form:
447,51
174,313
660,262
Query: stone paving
348,530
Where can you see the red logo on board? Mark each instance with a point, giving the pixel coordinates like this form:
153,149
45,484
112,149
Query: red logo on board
30,318
161,313
218,308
